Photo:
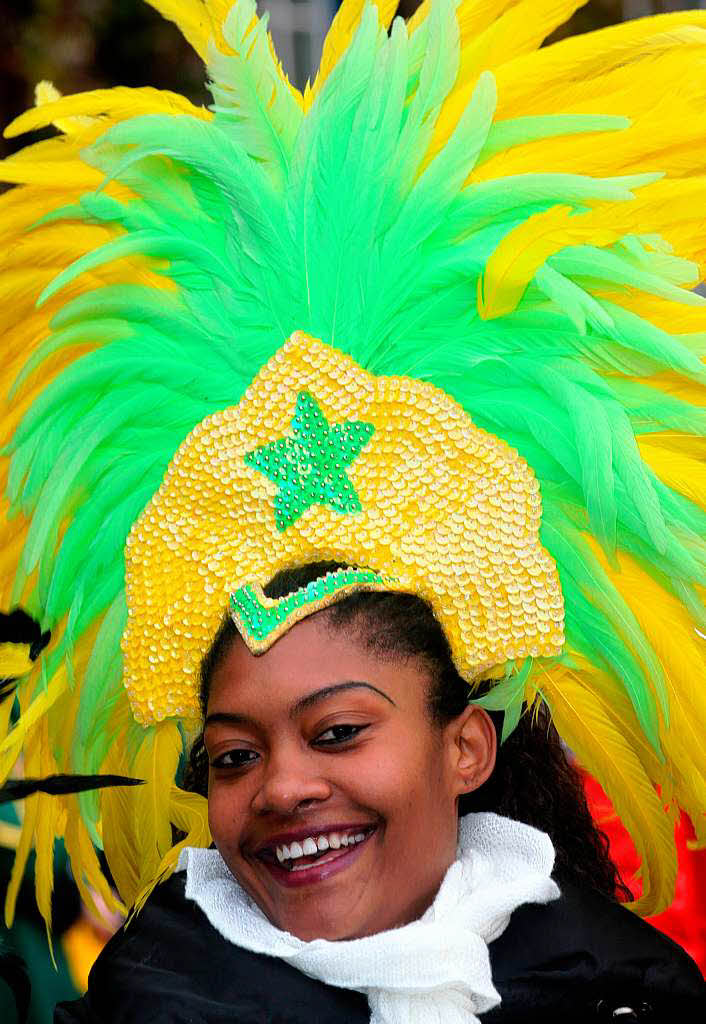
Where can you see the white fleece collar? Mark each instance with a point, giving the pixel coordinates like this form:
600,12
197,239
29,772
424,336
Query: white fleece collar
434,970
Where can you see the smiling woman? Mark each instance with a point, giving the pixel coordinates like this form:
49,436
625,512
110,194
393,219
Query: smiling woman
363,583
336,764
429,734
321,742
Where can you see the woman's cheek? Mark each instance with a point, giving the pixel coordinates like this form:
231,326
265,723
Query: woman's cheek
378,782
224,812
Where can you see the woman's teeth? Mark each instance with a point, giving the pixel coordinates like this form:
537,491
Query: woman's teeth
318,845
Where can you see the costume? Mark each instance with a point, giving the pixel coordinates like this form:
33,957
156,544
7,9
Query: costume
576,951
491,244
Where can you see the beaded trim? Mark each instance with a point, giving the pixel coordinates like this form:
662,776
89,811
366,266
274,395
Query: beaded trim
262,620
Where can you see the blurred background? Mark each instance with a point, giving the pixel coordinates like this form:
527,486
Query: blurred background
87,44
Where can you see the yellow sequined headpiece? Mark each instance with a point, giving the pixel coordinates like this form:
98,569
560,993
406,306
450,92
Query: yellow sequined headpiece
450,511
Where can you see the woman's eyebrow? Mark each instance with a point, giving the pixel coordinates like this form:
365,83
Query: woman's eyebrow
313,698
228,718
234,718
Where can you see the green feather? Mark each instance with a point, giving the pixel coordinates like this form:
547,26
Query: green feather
251,102
518,131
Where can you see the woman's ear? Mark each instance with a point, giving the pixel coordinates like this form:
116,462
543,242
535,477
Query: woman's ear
473,744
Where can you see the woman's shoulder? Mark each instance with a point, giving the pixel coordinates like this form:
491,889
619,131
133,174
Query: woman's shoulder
586,951
171,965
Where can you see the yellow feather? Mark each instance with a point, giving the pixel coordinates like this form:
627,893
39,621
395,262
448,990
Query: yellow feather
14,660
630,69
217,11
683,444
116,104
117,824
46,92
652,138
135,822
473,15
525,249
32,166
491,38
86,867
678,470
200,22
680,648
156,762
686,390
23,344
339,35
21,854
518,30
537,82
668,208
11,544
22,207
30,807
189,812
682,652
18,737
46,831
63,718
590,730
633,87
55,245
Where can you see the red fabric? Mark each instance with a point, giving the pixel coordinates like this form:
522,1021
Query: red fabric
685,920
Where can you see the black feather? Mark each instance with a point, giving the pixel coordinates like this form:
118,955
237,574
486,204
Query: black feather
7,686
57,785
18,627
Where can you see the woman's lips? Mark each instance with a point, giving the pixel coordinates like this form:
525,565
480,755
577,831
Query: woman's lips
329,864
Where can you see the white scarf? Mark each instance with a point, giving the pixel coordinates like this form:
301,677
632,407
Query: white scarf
436,969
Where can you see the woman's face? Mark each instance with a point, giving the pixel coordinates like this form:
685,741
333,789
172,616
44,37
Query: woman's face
321,744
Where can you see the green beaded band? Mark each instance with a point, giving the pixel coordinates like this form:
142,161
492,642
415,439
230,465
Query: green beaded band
261,620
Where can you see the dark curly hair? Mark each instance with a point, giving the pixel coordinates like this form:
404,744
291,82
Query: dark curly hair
533,780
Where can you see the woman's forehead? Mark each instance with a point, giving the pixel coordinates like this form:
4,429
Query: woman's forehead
311,656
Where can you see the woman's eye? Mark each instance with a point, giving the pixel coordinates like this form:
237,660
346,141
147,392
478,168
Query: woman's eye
338,734
234,759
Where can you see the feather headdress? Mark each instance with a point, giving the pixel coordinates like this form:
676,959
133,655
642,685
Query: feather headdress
520,227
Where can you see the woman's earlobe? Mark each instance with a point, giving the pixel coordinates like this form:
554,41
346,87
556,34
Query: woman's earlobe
475,748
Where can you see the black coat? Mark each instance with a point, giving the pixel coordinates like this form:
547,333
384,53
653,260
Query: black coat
576,959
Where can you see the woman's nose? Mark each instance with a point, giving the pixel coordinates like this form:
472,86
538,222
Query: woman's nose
290,781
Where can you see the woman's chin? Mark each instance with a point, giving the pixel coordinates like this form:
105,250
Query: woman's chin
326,923
309,930
335,912
331,916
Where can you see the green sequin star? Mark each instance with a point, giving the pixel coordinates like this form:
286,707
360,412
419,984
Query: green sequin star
310,466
